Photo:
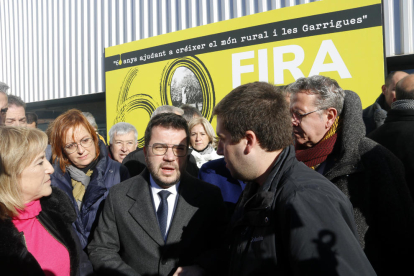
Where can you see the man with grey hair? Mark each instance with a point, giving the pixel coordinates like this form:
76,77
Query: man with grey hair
330,138
123,139
135,161
3,102
16,113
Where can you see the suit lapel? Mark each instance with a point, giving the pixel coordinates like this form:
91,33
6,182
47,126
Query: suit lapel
184,211
143,209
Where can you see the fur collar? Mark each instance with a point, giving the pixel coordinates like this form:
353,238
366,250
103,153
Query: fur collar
59,203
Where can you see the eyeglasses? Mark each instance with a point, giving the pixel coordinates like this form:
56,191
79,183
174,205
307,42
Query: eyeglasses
297,117
85,143
4,110
161,149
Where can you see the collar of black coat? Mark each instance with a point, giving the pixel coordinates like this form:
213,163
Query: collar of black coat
395,115
346,155
380,101
257,198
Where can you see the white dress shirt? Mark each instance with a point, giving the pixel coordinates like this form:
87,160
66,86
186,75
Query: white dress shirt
171,199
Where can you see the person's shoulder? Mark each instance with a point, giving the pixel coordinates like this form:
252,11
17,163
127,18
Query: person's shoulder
374,154
124,186
200,187
301,180
134,155
213,165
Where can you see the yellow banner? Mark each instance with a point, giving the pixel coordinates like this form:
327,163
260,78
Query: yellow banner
339,39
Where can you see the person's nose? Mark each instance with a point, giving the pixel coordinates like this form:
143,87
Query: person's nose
123,147
49,167
197,138
80,149
169,155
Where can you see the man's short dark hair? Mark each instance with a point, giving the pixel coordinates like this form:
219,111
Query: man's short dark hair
31,117
261,108
167,120
17,101
190,112
403,94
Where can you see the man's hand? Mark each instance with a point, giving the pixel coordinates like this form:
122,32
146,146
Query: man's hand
193,270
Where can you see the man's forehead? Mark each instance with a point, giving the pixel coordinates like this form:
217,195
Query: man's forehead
126,136
305,97
16,111
168,133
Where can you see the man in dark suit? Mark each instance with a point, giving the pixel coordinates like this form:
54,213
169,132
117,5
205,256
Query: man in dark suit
397,132
163,218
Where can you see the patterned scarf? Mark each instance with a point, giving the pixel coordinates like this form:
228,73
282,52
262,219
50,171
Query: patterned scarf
316,155
80,182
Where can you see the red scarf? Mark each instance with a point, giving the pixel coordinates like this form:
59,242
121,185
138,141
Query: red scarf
318,153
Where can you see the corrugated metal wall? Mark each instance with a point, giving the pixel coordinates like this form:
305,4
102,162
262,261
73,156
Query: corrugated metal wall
52,49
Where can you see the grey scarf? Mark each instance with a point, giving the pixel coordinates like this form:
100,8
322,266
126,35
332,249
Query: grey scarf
403,104
209,149
80,176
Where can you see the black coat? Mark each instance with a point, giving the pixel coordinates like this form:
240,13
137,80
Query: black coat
397,135
297,223
56,216
128,240
135,163
375,114
373,179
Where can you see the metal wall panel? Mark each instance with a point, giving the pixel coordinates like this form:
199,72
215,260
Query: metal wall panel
55,49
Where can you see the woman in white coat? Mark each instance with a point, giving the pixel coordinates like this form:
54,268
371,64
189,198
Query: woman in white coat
202,141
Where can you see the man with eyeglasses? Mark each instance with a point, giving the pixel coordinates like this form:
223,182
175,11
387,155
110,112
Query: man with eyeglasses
163,218
3,102
330,138
16,112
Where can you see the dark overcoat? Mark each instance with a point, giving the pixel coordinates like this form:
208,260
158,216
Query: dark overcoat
397,135
296,223
128,240
373,179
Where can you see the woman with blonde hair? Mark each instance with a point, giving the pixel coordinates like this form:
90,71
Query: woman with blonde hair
83,169
202,140
36,233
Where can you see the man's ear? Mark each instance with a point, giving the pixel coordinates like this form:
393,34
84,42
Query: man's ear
384,88
331,114
251,141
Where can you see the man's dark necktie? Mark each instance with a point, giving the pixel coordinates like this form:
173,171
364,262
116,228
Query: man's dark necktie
162,212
